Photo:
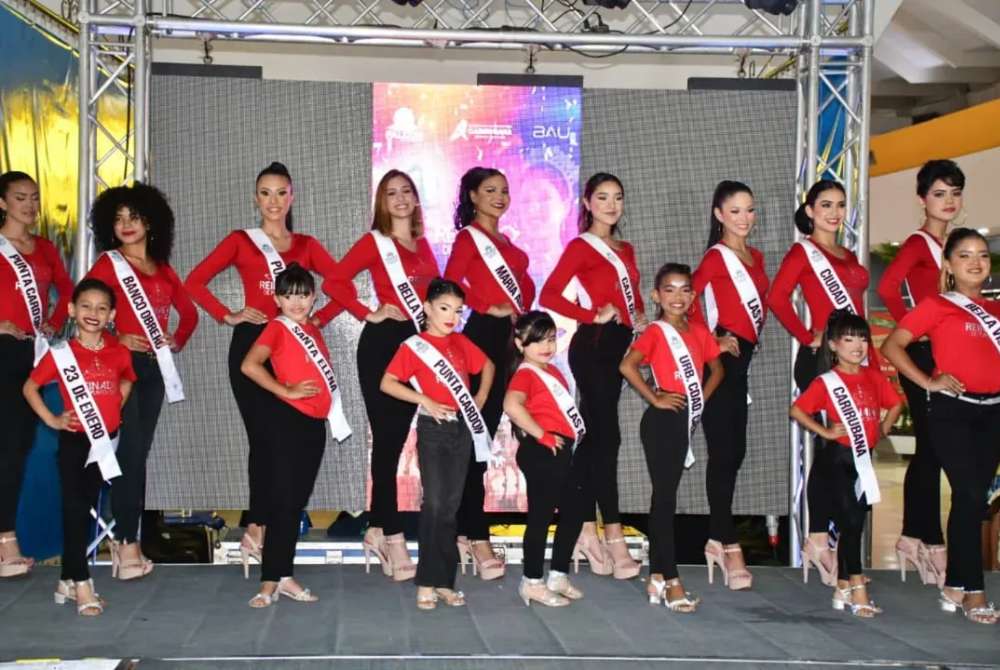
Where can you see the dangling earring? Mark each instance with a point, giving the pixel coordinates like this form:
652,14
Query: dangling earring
949,282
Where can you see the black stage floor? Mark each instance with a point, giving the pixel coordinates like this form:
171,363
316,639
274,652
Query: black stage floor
196,616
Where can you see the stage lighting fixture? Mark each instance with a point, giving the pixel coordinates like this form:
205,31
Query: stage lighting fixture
608,4
773,6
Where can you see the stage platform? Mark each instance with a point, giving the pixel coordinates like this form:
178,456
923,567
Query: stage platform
197,617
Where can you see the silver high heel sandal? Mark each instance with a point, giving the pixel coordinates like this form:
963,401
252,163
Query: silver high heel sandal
535,589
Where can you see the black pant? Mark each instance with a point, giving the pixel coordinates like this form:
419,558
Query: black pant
139,417
966,440
817,487
922,484
388,417
836,462
664,435
251,399
442,454
492,335
551,485
295,444
595,353
725,422
80,485
16,361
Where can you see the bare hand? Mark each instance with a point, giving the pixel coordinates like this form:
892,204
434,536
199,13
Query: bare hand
728,344
606,313
500,310
9,328
641,323
48,330
134,342
835,431
438,411
306,389
885,428
171,342
245,315
386,311
670,400
65,421
315,322
817,341
945,382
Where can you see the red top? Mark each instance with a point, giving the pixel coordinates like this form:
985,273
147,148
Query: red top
914,265
539,401
420,266
163,288
652,344
48,269
960,345
732,315
463,355
466,268
292,365
795,271
872,392
237,249
598,278
103,370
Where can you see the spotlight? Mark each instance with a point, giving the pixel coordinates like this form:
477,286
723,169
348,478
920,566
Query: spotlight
773,6
608,4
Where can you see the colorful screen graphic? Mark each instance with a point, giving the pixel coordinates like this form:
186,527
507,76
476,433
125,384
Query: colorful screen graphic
530,133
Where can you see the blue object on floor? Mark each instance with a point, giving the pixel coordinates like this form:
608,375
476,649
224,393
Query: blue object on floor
39,511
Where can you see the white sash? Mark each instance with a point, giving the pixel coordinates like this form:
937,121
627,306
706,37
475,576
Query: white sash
689,377
744,287
498,267
850,416
564,401
987,321
407,294
275,264
335,417
28,288
624,282
102,447
144,314
446,374
932,246
827,276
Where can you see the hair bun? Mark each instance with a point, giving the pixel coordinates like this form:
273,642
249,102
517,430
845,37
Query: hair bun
277,167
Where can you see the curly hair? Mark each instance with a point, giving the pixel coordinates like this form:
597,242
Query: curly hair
144,201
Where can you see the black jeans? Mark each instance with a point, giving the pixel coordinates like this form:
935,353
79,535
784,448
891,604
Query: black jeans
664,435
551,485
80,485
836,462
595,353
965,438
139,417
817,487
491,334
388,417
251,400
16,362
922,483
725,423
296,444
443,457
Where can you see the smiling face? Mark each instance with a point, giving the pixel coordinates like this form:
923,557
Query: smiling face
21,202
492,198
942,202
274,197
92,311
827,213
851,349
539,353
400,200
129,228
737,214
969,262
443,314
296,306
674,294
606,204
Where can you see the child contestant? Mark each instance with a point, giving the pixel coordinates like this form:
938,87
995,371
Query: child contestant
95,376
853,396
439,361
677,352
295,428
548,427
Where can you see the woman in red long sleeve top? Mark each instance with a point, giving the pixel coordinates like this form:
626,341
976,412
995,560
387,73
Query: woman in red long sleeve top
737,319
917,265
398,227
136,223
39,270
607,322
273,195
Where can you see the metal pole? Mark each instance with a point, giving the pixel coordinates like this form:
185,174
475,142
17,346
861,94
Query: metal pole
81,237
812,92
138,92
865,91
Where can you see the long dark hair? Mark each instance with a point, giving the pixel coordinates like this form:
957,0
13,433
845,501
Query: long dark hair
842,322
294,280
280,170
530,327
802,220
956,237
465,210
586,216
148,204
6,179
725,190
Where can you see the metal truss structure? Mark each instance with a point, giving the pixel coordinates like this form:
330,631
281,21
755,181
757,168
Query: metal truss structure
825,45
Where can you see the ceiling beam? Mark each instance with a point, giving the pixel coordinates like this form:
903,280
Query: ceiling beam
964,15
949,51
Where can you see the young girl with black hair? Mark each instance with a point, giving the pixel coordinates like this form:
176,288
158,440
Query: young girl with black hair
30,266
548,428
677,352
134,227
439,362
853,397
963,405
304,382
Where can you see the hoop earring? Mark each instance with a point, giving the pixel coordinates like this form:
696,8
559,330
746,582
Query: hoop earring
949,282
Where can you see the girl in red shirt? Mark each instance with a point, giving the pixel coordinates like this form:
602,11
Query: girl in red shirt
136,222
915,273
853,396
494,275
735,312
963,407
257,258
106,368
443,437
546,431
39,268
398,225
609,314
675,402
